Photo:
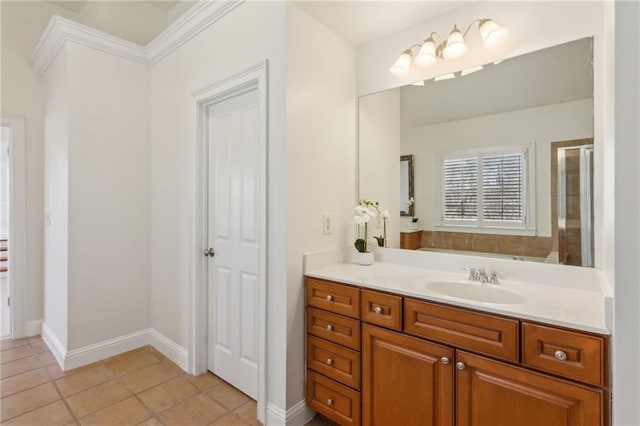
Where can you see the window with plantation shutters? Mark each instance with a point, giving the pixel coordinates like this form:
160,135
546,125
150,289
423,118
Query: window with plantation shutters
485,189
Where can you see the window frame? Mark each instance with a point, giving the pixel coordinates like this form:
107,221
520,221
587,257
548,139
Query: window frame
480,225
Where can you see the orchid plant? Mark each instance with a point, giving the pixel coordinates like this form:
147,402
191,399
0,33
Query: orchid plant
365,211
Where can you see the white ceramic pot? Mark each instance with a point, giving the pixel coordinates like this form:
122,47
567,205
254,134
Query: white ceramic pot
413,225
365,258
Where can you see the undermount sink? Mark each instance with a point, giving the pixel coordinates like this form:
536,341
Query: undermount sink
476,292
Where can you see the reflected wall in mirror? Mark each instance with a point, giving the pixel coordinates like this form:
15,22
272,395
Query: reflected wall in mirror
406,185
485,146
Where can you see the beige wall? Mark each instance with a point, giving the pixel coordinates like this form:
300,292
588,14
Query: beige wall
320,137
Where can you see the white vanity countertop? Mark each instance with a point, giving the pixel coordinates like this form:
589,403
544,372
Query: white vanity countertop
566,307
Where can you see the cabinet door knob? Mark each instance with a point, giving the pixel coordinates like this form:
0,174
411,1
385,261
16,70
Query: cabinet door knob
329,298
329,401
329,327
560,355
329,361
460,366
444,360
377,310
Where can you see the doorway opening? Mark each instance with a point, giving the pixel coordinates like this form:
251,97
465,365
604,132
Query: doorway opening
5,290
13,228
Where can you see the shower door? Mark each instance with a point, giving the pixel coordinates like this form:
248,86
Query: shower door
575,205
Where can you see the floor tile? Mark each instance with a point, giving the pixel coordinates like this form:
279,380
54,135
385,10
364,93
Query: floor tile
20,382
148,377
46,358
229,420
55,414
39,346
55,372
199,410
151,422
204,381
19,366
28,400
168,394
247,412
97,398
228,396
127,412
77,382
130,362
10,344
319,420
15,353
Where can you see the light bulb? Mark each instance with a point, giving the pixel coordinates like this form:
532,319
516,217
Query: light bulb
401,68
427,54
491,32
455,48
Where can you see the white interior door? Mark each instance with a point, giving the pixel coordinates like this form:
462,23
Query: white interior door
235,233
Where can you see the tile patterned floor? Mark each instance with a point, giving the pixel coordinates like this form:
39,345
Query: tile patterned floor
140,387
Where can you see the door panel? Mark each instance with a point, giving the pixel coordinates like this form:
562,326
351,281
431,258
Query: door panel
497,394
234,233
404,381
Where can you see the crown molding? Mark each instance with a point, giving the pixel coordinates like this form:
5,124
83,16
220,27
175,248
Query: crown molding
60,30
190,24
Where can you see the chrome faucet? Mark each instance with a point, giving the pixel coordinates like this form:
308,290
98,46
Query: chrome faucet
476,274
481,275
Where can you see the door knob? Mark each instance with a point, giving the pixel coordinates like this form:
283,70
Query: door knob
209,252
460,366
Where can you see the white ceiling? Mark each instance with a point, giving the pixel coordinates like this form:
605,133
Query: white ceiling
558,74
77,5
360,22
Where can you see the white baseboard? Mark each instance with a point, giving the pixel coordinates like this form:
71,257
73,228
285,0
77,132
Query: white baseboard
108,348
298,415
33,328
170,349
55,345
105,349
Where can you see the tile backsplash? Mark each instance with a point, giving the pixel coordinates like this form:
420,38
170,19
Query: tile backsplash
488,243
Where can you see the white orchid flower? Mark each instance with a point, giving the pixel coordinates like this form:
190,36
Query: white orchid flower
385,214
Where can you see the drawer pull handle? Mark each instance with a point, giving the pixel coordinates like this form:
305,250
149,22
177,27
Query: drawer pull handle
560,356
460,366
329,361
329,327
329,401
377,310
329,298
444,360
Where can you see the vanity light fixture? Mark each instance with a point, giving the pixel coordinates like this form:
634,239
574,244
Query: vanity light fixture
445,77
418,83
428,53
471,70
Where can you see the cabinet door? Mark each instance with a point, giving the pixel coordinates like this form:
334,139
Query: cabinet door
406,381
493,393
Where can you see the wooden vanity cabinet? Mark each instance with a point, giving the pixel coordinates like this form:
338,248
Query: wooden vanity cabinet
406,361
494,393
406,381
411,240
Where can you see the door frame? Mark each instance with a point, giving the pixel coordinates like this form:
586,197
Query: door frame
17,241
248,79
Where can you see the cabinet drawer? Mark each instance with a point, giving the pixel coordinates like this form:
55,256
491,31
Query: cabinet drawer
334,361
381,309
461,328
571,354
333,400
334,297
335,328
